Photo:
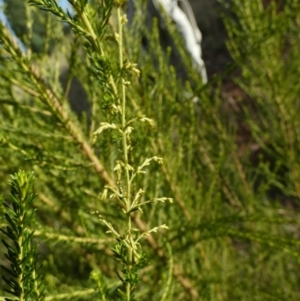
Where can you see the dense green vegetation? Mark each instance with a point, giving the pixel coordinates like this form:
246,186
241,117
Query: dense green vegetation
140,193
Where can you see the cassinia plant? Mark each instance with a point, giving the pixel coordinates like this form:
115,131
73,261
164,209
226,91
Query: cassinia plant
113,81
78,112
23,278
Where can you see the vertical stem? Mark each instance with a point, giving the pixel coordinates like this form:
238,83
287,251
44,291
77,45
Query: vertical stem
125,148
47,35
20,258
28,36
34,276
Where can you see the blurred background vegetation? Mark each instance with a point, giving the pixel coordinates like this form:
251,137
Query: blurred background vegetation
231,160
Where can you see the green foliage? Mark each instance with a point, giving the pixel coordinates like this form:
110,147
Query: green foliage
269,76
23,279
140,141
29,25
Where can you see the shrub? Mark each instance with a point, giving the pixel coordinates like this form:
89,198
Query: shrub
234,219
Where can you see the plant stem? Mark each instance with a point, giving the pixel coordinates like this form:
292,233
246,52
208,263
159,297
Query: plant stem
21,259
125,149
96,42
